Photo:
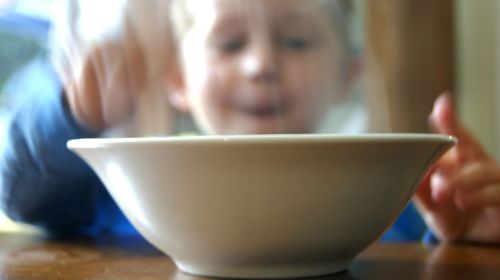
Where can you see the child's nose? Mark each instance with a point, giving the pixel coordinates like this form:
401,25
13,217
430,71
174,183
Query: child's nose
260,63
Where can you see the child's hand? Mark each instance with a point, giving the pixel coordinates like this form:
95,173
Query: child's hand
104,71
460,198
102,94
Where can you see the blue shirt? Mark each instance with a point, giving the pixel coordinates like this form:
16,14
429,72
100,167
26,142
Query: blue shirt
45,184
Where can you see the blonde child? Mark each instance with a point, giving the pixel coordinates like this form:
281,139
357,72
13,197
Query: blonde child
238,67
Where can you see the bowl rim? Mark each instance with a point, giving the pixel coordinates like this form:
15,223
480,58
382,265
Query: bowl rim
91,143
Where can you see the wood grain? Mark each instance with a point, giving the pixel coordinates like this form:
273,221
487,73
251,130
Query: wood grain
133,258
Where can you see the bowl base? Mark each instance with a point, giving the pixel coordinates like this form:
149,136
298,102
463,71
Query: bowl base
265,272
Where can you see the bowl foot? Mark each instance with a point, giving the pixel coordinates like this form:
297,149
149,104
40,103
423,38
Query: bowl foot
264,272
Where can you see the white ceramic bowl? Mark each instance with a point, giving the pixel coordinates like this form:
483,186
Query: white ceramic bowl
263,206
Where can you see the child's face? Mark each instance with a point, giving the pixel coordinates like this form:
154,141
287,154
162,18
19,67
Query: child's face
259,66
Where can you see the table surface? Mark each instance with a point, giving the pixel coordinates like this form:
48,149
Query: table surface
32,257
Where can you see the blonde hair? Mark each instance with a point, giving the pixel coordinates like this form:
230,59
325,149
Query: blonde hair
341,10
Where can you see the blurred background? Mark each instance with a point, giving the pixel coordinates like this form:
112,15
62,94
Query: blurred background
413,50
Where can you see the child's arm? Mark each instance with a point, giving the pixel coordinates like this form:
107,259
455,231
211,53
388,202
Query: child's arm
460,199
43,183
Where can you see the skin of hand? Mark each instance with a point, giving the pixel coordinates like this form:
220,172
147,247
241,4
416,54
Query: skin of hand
104,92
460,197
103,85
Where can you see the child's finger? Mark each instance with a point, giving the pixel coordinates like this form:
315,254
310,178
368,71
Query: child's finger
442,117
441,189
434,187
474,176
487,196
445,120
447,163
423,194
81,92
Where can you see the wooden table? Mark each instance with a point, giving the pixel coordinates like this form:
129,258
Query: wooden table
31,257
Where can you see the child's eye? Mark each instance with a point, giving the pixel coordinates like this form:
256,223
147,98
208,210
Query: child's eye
296,43
231,46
